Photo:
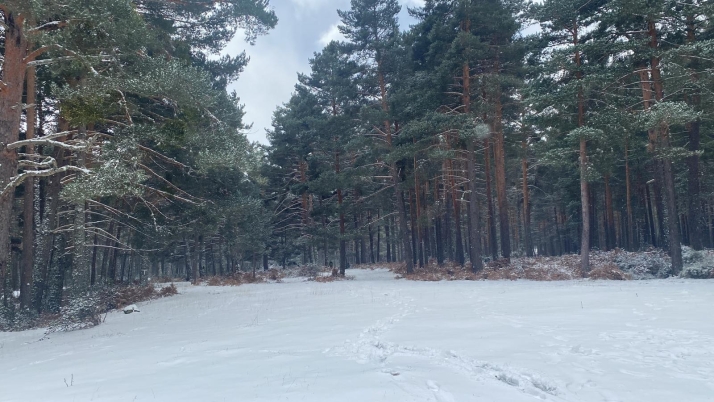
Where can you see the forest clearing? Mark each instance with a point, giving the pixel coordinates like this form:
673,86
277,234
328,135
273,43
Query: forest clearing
375,338
399,200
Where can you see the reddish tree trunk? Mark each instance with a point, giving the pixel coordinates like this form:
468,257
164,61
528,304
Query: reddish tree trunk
11,90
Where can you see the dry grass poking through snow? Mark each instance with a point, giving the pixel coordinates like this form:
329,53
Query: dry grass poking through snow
612,265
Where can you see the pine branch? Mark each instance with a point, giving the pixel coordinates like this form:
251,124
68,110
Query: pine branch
50,26
44,141
19,179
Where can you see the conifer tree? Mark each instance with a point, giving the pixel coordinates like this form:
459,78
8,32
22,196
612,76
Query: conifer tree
372,29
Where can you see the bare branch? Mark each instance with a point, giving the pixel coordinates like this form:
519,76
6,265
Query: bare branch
168,195
36,53
163,180
163,157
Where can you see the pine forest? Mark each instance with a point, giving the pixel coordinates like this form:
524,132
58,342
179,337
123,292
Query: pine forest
487,131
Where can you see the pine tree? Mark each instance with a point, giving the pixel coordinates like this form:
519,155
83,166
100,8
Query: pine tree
372,29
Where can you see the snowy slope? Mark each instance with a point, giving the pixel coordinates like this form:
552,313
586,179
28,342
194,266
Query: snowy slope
379,339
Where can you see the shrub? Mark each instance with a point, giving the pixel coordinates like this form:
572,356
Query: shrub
697,264
649,264
240,278
167,291
609,272
83,310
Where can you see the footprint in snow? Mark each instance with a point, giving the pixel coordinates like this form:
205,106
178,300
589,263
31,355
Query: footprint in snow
439,394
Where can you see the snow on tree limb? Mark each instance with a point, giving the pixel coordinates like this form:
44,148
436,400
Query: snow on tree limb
19,179
43,141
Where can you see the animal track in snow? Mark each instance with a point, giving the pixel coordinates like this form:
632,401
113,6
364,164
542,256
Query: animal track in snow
370,348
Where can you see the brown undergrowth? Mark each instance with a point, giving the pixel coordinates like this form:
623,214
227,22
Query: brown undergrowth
241,278
561,268
392,266
122,296
334,276
86,311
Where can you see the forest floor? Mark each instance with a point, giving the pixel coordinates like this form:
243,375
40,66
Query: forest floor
375,338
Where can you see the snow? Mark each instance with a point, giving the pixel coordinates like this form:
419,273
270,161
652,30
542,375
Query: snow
131,309
379,339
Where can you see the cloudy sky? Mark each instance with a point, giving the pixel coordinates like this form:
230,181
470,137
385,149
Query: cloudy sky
305,27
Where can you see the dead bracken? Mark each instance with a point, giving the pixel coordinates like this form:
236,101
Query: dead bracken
612,265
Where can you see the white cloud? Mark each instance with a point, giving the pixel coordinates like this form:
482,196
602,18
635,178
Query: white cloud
332,34
305,27
310,3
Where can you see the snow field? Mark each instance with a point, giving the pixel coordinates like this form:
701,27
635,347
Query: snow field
380,339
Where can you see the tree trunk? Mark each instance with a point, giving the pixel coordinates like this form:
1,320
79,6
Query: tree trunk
491,224
388,240
584,188
93,272
474,218
28,228
47,236
426,231
447,224
371,238
675,247
662,140
696,228
416,228
105,254
80,277
438,238
475,232
585,200
401,208
378,255
526,202
355,222
458,239
195,261
187,258
113,261
499,159
628,186
649,215
202,262
415,244
13,79
610,216
695,215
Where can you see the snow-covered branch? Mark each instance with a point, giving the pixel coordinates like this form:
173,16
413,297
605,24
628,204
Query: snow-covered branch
50,26
45,141
48,163
19,179
36,53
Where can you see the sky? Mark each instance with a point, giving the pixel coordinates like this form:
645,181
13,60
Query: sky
304,27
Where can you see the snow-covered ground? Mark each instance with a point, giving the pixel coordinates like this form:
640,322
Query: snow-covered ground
380,339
